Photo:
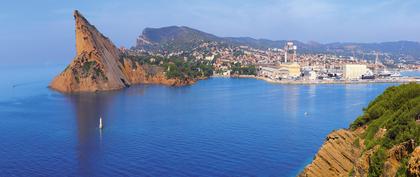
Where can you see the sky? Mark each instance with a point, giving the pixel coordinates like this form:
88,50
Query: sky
42,32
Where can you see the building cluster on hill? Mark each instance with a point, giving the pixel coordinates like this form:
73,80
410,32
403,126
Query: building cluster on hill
286,64
323,67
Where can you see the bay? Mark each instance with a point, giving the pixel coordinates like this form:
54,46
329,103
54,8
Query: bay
217,127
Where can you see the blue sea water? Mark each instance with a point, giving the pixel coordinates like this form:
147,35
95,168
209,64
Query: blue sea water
217,127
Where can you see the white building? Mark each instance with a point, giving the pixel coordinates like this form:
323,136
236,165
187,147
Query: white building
209,58
290,52
310,75
354,71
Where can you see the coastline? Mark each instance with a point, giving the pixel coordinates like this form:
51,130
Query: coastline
313,82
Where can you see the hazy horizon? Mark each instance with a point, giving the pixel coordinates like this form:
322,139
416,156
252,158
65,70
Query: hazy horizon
46,30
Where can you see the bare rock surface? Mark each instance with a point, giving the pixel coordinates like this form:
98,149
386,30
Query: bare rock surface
336,156
95,66
414,163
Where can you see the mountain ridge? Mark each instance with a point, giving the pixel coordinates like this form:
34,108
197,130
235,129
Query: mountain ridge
175,38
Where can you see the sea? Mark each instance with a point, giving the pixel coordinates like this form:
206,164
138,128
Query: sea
216,127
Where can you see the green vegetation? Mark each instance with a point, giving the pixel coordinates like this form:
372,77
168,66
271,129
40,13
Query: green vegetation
177,67
181,69
402,171
357,142
88,65
238,69
395,111
238,53
351,173
376,163
88,69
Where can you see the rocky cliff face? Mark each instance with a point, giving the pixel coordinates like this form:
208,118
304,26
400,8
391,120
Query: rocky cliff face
336,156
95,66
414,163
343,154
99,65
382,142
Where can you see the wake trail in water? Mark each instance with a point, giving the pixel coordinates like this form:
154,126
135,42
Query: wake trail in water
25,84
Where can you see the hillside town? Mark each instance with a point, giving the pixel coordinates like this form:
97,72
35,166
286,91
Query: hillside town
286,65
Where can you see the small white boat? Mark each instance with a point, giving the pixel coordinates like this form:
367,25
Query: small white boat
100,123
306,113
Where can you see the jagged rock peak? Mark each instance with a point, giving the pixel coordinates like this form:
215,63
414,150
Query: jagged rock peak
96,66
87,36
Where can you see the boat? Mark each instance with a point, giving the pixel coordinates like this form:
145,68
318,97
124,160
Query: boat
385,73
100,123
396,74
368,75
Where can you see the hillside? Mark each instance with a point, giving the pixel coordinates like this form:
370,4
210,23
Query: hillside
176,38
384,141
184,38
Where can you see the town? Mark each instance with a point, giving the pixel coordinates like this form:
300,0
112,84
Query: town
285,65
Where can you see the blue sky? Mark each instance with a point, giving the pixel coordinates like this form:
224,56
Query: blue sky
43,31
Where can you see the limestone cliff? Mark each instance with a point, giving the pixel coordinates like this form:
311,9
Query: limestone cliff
342,154
99,65
336,156
382,142
414,163
96,65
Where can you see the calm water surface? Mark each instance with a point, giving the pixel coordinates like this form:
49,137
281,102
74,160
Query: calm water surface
218,127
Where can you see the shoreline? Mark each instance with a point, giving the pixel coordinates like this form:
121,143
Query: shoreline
315,82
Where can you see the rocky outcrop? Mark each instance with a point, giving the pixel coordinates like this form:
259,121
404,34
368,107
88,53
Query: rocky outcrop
385,138
95,66
361,167
414,163
395,156
336,156
342,154
150,74
99,65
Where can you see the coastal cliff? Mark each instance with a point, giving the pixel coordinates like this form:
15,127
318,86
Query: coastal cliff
336,156
384,141
100,66
151,74
95,66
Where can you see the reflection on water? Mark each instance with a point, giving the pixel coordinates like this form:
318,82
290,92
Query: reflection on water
292,95
137,90
89,108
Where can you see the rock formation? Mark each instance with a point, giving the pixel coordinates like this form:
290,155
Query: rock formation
342,155
99,65
95,67
414,163
383,141
336,156
150,74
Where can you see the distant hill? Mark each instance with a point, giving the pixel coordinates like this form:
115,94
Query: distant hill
184,38
173,38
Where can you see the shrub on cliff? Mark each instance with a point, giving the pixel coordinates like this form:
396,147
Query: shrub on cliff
376,163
